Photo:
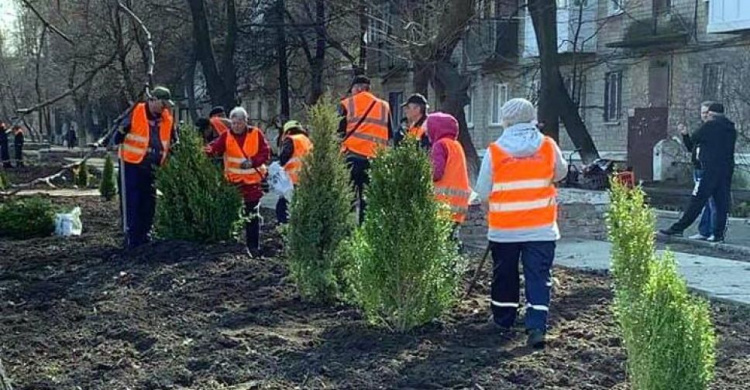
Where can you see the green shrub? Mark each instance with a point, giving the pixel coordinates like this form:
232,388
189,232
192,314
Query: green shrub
198,204
672,340
405,269
667,333
27,217
108,186
320,211
82,176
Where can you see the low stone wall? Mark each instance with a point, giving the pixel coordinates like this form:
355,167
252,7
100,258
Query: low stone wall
581,214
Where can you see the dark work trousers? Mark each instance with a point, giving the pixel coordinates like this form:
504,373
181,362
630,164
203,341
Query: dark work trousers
5,152
359,168
536,258
137,202
716,184
282,210
19,155
252,225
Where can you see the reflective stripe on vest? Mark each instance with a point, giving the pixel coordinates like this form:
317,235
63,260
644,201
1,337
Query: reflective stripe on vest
372,133
453,188
302,147
234,157
523,194
136,143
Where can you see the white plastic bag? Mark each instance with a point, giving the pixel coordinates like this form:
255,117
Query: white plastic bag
69,224
280,181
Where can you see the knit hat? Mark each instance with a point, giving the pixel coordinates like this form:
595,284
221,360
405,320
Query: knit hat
162,93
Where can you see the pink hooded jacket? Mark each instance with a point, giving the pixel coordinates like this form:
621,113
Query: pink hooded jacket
440,125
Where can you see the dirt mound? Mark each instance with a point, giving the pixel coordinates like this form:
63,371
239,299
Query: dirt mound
175,315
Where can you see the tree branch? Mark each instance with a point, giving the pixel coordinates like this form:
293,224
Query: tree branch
149,44
86,80
46,23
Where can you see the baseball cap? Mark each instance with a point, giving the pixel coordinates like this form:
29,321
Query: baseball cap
361,79
716,107
416,98
162,93
216,111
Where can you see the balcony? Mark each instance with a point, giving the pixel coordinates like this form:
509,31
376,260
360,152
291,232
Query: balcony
663,30
726,16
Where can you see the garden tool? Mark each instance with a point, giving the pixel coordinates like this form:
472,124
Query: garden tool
477,271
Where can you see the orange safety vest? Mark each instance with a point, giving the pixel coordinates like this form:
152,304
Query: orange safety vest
417,131
136,143
302,146
372,133
221,125
234,156
523,193
453,188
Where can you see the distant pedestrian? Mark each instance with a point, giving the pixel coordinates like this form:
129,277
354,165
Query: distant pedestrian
72,139
4,145
517,178
715,140
706,224
18,141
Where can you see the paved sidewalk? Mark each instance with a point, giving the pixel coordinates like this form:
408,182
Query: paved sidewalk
59,192
718,278
738,229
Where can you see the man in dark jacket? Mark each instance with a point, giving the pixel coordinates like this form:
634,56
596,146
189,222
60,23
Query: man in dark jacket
4,146
715,140
706,224
415,113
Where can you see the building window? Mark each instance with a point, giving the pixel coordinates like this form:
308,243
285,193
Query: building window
615,7
499,97
612,96
469,109
713,77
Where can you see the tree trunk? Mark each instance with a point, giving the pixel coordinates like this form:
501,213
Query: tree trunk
316,89
229,72
451,89
190,89
220,93
422,75
554,100
364,22
283,71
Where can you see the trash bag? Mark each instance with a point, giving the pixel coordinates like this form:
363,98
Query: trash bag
69,224
279,181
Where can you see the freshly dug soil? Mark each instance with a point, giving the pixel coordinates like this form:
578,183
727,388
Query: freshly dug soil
80,313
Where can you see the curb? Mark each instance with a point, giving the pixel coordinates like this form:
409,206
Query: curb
722,247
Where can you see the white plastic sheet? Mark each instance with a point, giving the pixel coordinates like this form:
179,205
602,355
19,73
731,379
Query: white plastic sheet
279,181
69,224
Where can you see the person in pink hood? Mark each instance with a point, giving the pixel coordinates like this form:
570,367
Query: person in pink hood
449,173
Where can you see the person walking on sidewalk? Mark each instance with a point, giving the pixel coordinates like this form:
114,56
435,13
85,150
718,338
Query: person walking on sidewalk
145,139
295,145
517,177
246,153
365,128
706,224
715,141
18,141
449,173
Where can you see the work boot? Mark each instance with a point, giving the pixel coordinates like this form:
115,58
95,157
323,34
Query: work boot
536,338
670,232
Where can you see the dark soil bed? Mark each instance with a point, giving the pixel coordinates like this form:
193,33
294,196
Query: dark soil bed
78,313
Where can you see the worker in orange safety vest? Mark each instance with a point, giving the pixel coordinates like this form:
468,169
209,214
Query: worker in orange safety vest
246,152
144,141
365,128
295,145
517,178
449,170
415,111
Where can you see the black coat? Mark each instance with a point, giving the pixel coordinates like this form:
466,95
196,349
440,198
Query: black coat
716,140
